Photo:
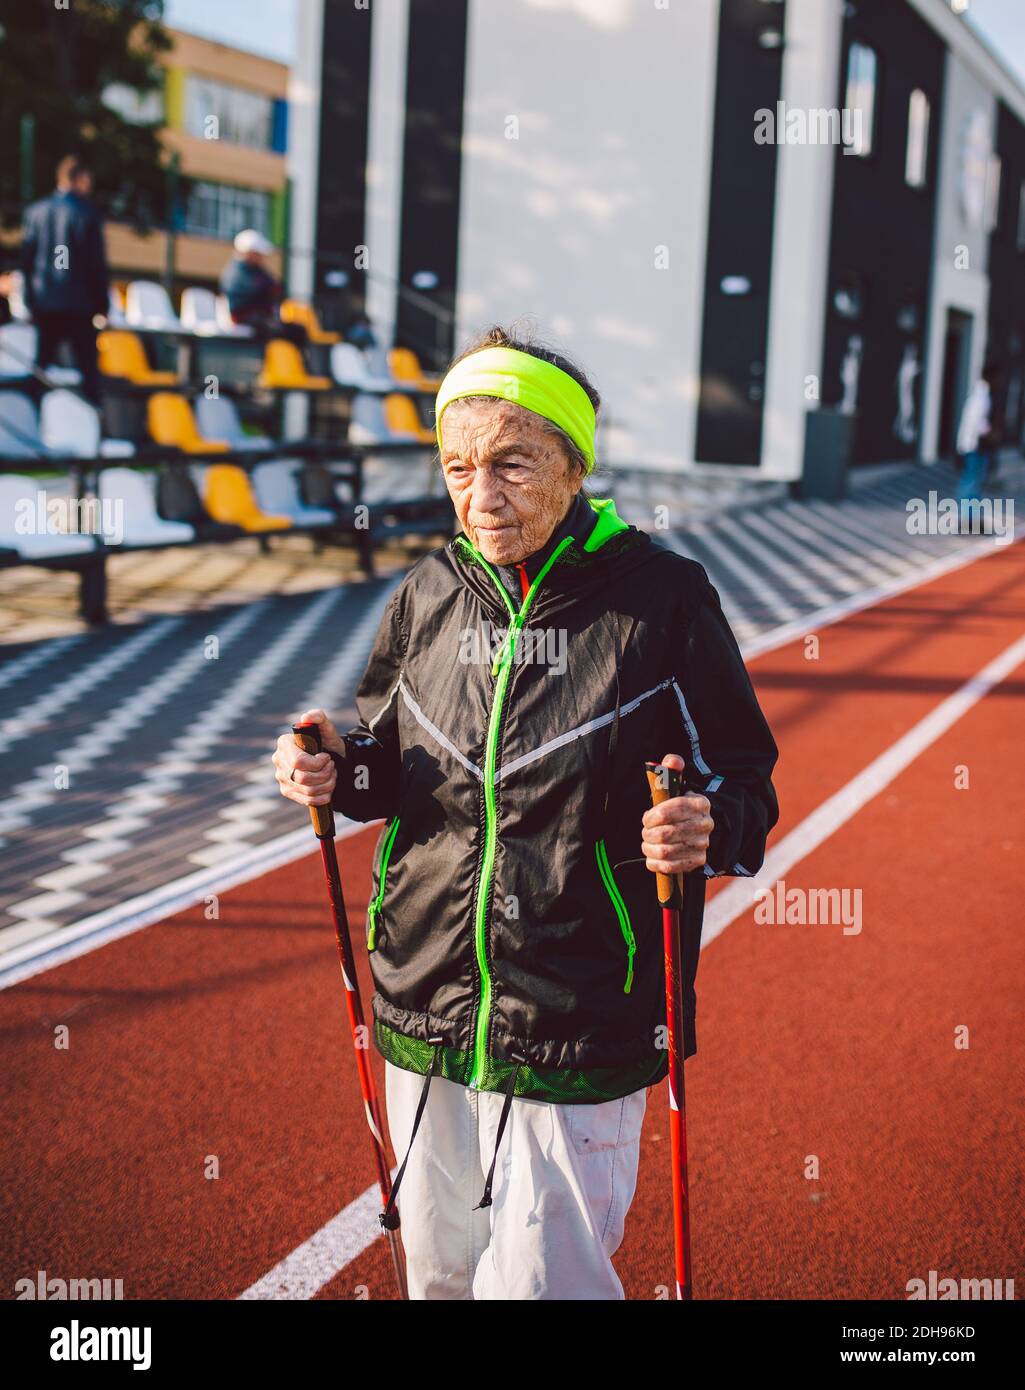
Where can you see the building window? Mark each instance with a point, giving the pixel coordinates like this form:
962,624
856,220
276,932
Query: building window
917,160
993,172
241,117
222,210
862,68
132,106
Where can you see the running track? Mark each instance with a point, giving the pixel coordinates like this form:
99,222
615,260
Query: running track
198,1038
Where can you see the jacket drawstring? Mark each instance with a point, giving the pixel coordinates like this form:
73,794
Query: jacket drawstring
390,1217
485,1201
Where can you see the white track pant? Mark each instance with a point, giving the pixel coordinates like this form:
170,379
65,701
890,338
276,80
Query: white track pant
563,1184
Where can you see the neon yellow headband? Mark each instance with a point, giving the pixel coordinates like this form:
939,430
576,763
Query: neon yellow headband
527,381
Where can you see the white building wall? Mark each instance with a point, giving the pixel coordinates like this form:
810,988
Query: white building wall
961,248
302,163
304,144
612,103
801,241
387,115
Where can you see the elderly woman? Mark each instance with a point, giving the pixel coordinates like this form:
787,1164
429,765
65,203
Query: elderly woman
521,677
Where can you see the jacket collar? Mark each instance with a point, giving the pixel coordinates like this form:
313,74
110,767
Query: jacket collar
582,565
578,522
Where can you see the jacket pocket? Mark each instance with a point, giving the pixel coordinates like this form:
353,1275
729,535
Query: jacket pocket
377,904
623,916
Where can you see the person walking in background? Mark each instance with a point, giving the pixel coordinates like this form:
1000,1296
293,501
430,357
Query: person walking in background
64,263
979,434
254,295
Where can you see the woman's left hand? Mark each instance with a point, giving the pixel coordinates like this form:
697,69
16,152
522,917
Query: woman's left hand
675,835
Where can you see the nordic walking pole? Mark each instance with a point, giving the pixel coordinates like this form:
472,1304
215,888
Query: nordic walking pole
307,737
666,782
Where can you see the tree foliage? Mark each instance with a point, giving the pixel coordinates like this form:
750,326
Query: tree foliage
57,59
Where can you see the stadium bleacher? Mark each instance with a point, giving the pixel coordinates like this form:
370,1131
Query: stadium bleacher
186,465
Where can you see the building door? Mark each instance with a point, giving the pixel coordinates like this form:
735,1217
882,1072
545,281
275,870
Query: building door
957,353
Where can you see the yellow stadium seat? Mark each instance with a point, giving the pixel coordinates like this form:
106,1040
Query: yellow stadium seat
400,415
294,311
122,355
285,370
172,423
229,498
405,366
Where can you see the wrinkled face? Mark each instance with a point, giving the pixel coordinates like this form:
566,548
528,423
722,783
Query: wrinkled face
510,481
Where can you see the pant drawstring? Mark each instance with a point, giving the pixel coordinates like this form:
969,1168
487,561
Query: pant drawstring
485,1201
389,1218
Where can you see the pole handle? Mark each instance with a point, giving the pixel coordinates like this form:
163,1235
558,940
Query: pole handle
307,737
665,783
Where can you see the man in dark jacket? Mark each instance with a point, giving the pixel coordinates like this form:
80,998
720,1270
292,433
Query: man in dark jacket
521,678
65,269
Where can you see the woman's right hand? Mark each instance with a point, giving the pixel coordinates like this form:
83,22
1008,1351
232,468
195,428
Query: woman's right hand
308,778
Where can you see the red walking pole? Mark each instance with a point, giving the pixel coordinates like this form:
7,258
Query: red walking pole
307,736
666,782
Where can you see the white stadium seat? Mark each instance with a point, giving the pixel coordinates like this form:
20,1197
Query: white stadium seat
227,328
376,359
70,426
349,367
369,426
278,493
143,525
19,427
17,350
19,498
199,312
148,305
218,419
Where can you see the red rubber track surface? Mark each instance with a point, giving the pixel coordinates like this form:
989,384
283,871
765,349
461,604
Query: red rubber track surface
226,1038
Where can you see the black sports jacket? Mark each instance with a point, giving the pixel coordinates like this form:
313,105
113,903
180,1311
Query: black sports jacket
513,927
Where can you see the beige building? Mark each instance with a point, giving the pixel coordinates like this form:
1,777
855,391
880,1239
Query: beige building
226,114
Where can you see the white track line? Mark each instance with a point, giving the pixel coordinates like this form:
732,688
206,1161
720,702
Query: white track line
826,819
78,939
315,1263
889,588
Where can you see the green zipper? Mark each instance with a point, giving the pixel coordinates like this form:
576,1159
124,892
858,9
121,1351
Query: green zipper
605,869
501,668
378,903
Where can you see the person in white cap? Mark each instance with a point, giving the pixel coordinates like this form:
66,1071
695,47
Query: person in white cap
253,293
